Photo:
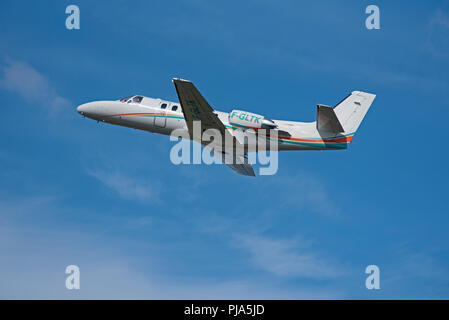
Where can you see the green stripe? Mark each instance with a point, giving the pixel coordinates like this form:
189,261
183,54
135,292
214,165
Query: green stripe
335,145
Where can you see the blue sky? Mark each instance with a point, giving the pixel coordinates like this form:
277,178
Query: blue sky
108,199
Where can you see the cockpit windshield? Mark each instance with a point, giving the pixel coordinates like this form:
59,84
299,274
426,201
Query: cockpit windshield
126,99
132,99
137,99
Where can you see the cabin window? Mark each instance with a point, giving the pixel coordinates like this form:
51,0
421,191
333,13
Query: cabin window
163,106
174,108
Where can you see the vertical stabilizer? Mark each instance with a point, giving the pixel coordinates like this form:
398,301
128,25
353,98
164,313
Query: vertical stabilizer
351,110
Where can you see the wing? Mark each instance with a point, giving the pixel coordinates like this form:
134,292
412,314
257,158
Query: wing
239,163
196,108
244,168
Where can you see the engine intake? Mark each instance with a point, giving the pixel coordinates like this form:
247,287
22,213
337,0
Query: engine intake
250,120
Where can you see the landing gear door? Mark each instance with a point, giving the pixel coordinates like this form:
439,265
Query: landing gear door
160,119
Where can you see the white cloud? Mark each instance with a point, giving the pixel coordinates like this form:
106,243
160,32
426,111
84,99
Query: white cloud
34,259
31,85
307,192
286,258
415,273
438,34
125,186
416,264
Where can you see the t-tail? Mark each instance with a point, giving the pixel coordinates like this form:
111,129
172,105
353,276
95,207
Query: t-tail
345,118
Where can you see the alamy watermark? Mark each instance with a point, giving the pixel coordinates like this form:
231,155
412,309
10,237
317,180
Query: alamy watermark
73,20
373,280
242,147
373,20
73,280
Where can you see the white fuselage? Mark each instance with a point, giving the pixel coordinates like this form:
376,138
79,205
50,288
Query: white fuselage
161,116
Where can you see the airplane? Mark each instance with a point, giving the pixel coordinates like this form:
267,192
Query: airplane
333,129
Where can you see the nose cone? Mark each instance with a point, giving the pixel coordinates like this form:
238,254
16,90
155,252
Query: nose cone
94,110
83,108
100,110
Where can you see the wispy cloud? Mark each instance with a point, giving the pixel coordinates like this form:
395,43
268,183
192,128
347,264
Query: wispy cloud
309,192
415,273
31,85
108,271
417,264
127,187
286,258
438,34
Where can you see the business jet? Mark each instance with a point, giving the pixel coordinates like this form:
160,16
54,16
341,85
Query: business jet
333,129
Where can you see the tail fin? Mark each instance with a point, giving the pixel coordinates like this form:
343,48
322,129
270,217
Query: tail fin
352,109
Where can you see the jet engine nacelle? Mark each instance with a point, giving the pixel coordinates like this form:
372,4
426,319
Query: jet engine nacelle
251,120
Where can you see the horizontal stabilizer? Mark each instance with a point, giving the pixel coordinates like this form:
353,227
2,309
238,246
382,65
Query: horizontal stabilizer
327,120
